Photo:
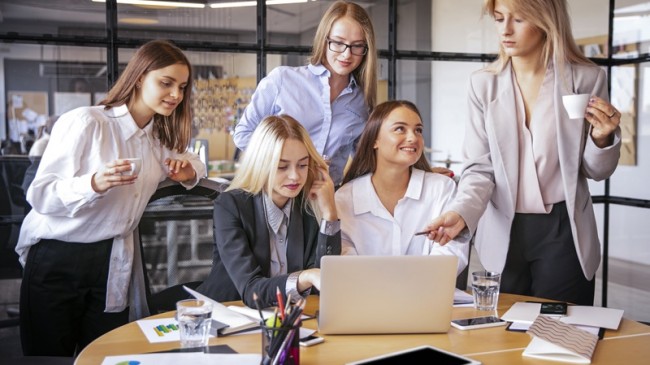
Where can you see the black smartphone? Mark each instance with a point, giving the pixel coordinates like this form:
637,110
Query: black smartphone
479,322
554,308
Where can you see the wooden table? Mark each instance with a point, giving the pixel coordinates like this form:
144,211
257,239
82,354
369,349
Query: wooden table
630,344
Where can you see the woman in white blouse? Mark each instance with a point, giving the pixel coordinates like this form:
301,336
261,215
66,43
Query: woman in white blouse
76,244
389,193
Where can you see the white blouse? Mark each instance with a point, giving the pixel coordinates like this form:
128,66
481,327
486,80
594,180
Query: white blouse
367,228
66,208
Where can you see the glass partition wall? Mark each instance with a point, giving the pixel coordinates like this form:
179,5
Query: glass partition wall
52,51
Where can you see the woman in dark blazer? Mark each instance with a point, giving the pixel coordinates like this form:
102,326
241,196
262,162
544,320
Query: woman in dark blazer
275,221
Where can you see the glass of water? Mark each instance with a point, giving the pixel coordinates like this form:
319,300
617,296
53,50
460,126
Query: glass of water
194,320
485,287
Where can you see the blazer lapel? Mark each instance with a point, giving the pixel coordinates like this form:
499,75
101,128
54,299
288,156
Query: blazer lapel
570,135
261,244
296,238
500,116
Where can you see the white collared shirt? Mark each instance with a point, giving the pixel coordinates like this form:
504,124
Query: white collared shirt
367,228
65,206
278,224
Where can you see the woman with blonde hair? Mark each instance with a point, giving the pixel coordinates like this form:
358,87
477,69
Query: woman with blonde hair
275,221
332,96
524,188
82,268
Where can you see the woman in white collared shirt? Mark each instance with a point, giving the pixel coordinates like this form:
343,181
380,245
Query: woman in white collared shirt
76,244
389,193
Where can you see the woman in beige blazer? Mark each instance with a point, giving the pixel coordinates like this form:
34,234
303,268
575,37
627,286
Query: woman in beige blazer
524,186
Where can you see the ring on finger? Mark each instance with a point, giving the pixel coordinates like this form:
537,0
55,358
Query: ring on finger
613,113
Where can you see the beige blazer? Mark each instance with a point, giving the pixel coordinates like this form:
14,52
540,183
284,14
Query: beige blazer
487,189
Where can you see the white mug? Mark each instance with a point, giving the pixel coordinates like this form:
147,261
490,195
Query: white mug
136,164
576,105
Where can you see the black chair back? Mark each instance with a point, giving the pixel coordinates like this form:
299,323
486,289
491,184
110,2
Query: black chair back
176,240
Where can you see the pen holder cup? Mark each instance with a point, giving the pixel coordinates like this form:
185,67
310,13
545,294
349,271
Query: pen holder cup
280,345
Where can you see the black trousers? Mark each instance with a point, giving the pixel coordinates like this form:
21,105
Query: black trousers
542,259
63,296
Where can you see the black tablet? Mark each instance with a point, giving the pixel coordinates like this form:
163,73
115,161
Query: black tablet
416,356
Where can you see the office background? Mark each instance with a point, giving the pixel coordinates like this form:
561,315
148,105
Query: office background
55,54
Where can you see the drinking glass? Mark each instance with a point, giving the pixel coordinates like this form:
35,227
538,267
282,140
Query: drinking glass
485,287
194,321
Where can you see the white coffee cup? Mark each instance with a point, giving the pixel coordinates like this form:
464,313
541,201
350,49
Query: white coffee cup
576,105
136,164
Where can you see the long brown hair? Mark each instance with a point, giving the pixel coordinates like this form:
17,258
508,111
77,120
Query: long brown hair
551,17
174,131
365,159
366,73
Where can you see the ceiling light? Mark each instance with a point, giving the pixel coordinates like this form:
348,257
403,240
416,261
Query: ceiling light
138,21
239,4
169,4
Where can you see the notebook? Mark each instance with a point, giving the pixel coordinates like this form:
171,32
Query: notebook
386,294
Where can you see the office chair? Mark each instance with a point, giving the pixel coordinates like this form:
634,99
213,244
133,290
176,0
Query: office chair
16,174
174,205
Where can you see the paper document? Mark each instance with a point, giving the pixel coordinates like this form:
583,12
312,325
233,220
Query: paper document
524,312
159,330
236,321
555,340
195,358
462,298
255,314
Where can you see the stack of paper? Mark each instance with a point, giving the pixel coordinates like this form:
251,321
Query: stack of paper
554,340
462,299
523,314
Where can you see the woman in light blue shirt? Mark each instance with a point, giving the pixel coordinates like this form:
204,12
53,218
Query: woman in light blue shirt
332,96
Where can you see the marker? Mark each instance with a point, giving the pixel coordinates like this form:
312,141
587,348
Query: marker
160,334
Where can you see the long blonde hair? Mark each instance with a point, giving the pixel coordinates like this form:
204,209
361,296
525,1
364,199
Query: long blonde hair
174,131
551,17
366,73
259,163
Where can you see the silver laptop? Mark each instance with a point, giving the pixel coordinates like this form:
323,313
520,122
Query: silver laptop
386,294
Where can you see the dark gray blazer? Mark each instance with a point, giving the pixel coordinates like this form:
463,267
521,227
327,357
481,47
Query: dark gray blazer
242,254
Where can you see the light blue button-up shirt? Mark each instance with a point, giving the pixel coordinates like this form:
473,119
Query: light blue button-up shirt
304,93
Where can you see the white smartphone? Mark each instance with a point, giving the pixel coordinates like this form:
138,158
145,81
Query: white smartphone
311,340
478,322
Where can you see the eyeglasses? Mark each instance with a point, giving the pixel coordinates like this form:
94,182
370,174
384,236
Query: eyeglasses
340,47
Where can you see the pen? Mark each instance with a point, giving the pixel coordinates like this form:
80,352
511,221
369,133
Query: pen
280,302
257,304
440,230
